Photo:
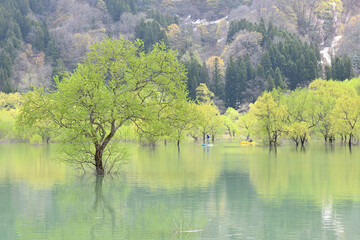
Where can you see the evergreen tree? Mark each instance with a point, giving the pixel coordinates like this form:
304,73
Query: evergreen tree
217,78
196,74
266,62
270,83
150,33
250,71
117,7
340,69
297,61
301,73
58,69
328,74
52,50
337,69
230,84
241,81
262,29
348,71
260,71
279,80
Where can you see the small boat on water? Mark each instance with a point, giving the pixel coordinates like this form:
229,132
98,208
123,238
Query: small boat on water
247,143
207,145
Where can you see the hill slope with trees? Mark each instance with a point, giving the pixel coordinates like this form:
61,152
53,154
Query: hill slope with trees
237,48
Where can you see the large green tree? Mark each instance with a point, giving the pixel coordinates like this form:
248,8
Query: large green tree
117,83
269,117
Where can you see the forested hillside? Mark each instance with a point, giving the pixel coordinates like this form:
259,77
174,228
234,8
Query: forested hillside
239,48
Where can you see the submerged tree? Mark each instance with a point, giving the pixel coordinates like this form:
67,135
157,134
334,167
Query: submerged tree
269,117
117,83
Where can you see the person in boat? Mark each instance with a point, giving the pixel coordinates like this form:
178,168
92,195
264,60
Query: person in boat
207,138
248,139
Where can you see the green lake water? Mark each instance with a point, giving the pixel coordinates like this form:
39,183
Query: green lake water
227,191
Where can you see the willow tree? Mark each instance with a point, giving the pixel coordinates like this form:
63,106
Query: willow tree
324,95
346,115
269,117
117,83
209,120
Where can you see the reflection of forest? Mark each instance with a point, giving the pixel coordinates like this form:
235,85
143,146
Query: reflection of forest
31,164
320,173
165,167
248,195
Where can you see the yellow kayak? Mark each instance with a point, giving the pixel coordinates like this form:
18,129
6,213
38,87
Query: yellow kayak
247,143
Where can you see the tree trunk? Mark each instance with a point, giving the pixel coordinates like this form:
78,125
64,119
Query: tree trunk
296,141
275,140
99,168
98,192
229,130
303,139
350,139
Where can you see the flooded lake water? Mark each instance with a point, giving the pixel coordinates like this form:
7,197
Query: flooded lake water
226,191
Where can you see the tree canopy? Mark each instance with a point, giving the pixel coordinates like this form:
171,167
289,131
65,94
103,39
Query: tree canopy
118,83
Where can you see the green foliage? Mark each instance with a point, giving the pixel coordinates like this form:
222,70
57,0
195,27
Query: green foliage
209,121
30,123
9,109
10,101
341,69
153,30
117,7
181,120
298,132
196,74
232,114
15,27
325,94
237,76
245,125
327,9
345,116
58,69
231,84
164,20
36,139
7,125
242,24
150,33
279,80
118,83
286,63
269,117
230,126
203,94
217,79
326,108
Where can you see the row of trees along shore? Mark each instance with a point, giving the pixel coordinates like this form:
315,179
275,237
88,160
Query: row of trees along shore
122,92
326,109
330,109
